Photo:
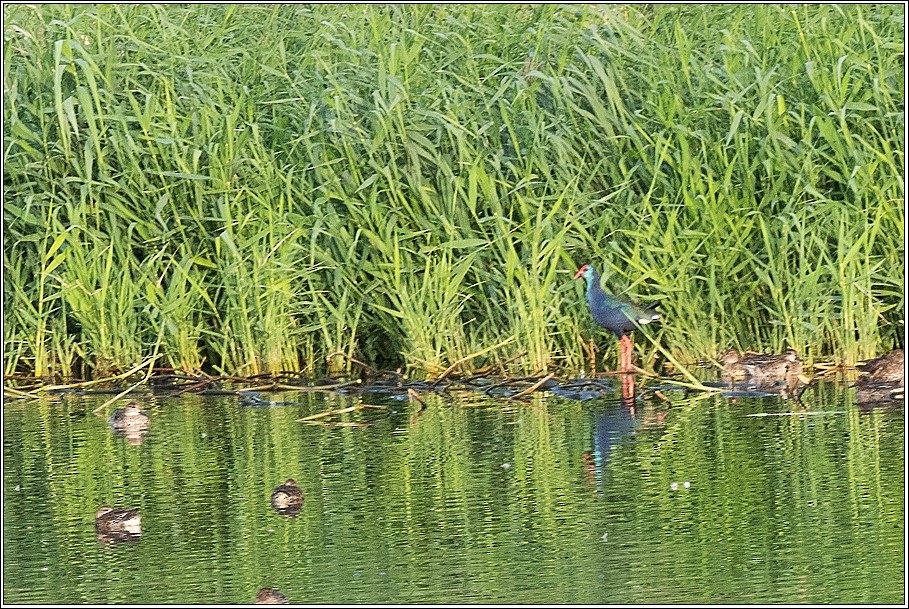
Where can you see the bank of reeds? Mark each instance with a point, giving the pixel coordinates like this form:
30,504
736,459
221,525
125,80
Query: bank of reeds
250,188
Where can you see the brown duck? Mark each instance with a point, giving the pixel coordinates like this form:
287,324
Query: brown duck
116,525
888,368
130,418
270,596
131,422
287,499
882,378
760,368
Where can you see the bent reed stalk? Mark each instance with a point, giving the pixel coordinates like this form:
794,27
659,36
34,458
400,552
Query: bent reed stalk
265,187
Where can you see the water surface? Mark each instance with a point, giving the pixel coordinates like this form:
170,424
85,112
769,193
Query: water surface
469,500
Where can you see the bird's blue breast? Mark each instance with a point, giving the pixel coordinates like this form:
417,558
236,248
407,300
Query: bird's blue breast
613,318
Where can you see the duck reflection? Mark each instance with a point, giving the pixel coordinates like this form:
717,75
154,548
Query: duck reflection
117,525
287,499
270,596
130,422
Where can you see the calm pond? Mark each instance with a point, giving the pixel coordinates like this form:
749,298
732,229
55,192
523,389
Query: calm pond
471,499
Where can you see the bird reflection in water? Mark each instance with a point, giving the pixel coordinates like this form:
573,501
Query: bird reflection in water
612,427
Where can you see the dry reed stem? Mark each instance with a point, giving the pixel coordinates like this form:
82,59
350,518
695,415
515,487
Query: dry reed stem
532,388
467,358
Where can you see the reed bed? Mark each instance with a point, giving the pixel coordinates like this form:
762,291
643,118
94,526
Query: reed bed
247,189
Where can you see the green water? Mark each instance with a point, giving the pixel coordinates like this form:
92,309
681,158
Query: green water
470,500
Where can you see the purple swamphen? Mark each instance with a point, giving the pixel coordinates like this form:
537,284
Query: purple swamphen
618,315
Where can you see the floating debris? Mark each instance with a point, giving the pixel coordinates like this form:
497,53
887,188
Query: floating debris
351,424
787,414
253,391
533,387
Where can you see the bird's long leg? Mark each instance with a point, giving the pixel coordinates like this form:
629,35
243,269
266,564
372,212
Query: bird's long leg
622,354
628,391
626,349
629,354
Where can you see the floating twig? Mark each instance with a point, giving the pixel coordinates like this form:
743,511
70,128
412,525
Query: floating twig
117,377
695,383
150,362
117,397
327,413
285,387
467,358
500,384
533,387
698,387
17,393
414,396
787,414
338,423
328,388
197,386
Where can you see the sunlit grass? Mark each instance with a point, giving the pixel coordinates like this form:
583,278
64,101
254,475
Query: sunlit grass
254,188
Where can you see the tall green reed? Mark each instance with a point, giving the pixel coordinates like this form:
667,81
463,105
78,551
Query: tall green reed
295,187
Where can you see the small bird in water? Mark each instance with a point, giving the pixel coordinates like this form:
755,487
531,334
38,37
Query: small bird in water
760,368
131,422
287,499
889,368
130,418
115,525
882,378
270,596
618,315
